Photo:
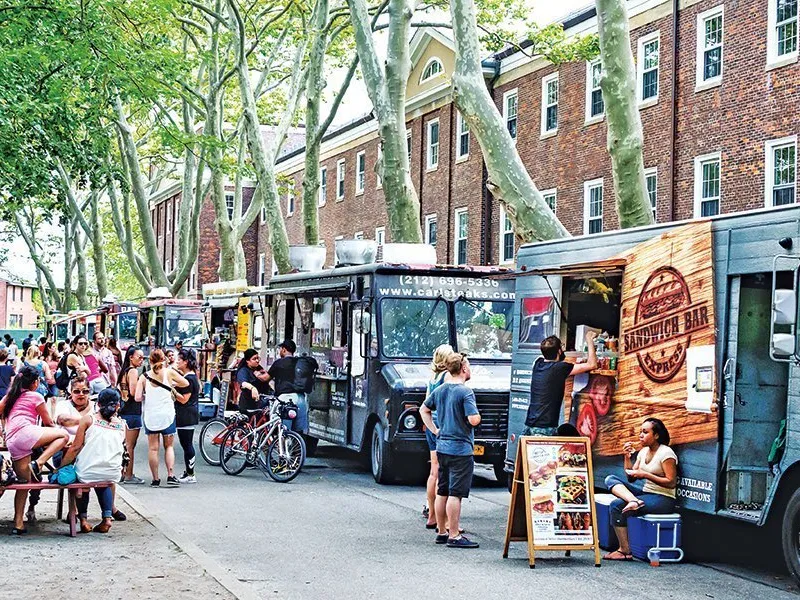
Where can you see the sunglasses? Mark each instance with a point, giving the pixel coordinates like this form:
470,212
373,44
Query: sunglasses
81,392
82,344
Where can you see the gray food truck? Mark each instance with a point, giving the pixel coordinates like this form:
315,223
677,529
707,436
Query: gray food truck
373,329
700,322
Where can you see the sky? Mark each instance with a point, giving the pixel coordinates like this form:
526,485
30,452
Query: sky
544,11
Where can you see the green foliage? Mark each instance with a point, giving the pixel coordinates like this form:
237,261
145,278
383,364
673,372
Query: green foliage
552,43
121,281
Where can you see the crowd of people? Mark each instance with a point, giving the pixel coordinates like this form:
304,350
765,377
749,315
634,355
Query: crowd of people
80,405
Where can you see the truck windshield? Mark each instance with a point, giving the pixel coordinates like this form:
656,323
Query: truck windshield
413,328
484,329
126,326
184,325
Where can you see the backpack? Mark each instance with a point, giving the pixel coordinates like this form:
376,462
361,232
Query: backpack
62,374
304,369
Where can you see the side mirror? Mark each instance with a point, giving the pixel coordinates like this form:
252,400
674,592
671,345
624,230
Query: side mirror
783,332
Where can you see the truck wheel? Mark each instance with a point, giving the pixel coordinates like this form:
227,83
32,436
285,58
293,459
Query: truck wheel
311,445
382,459
790,536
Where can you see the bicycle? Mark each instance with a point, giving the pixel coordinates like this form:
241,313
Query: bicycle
277,451
214,430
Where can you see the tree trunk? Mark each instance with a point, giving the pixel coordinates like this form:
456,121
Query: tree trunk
509,181
122,226
82,289
27,231
68,265
98,254
625,138
387,91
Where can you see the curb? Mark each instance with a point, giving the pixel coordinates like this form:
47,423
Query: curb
208,564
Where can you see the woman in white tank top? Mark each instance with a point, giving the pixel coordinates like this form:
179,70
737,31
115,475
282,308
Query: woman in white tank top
154,390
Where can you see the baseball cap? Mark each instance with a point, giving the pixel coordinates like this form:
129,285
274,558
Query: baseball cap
289,345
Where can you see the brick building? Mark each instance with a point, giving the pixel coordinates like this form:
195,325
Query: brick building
16,303
718,86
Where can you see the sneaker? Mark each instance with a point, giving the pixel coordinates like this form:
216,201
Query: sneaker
132,480
186,478
30,516
36,472
461,542
442,538
155,483
172,481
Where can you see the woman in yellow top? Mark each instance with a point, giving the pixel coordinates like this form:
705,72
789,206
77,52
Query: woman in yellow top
657,466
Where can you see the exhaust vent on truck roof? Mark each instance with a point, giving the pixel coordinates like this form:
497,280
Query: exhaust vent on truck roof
355,252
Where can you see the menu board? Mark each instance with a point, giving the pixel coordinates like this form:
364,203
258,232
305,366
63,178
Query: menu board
552,497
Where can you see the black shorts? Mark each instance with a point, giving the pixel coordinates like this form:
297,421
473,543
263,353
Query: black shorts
455,475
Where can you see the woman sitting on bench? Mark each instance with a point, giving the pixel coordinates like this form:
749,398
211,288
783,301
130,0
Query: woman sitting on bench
21,408
657,465
97,452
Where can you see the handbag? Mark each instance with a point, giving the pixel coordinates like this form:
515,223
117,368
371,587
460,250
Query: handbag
66,475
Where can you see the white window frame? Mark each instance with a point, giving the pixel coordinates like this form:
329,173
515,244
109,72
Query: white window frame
546,81
551,192
700,82
506,117
699,161
262,269
653,171
773,59
641,43
290,199
456,239
341,173
589,118
432,152
461,132
431,61
588,186
358,235
504,231
378,180
262,215
380,235
427,232
230,203
408,145
323,186
361,171
769,167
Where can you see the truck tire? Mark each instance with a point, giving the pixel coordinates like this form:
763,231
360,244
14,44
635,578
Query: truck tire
790,536
382,460
311,445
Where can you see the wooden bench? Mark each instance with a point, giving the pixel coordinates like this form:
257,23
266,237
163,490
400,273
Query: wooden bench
73,489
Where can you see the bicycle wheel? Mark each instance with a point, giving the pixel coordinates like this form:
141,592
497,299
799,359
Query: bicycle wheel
210,438
233,450
285,456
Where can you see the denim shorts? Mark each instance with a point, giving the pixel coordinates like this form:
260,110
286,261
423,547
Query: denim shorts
168,431
133,421
455,475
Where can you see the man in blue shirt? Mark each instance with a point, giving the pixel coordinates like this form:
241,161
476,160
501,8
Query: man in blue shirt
458,415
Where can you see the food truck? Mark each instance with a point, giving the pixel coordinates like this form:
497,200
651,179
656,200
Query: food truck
118,320
700,322
372,328
75,322
164,321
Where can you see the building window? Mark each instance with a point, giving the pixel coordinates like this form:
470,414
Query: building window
262,269
462,137
358,235
782,34
550,198
709,47
780,167
510,112
378,180
193,279
263,214
229,201
408,144
340,180
550,104
707,185
361,172
290,200
647,67
594,95
593,206
380,240
433,144
323,186
460,231
651,178
432,68
506,238
430,229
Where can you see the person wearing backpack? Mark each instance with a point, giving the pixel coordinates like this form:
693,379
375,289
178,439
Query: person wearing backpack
72,363
284,374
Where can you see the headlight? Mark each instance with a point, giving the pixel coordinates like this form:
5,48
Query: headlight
410,422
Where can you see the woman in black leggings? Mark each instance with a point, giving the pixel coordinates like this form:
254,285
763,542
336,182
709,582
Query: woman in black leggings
187,413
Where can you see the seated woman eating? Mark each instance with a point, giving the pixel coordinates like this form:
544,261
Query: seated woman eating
657,465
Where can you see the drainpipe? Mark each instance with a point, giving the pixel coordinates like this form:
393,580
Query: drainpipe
450,167
673,125
486,213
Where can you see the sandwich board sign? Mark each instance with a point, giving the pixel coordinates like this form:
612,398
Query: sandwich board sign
552,497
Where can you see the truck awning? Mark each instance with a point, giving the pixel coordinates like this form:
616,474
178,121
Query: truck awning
309,290
610,266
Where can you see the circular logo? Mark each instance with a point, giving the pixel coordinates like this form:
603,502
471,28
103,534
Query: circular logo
659,336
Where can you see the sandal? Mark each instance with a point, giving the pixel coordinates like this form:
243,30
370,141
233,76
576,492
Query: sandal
618,555
637,505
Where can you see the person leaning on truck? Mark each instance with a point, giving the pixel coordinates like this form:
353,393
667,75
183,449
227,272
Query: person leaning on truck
282,371
548,379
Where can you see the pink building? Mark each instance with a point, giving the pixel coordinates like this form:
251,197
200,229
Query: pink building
16,304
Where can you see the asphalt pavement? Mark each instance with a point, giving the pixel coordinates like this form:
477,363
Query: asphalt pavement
334,533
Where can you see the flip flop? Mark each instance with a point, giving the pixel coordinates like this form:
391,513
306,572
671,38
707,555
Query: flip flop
617,555
639,506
